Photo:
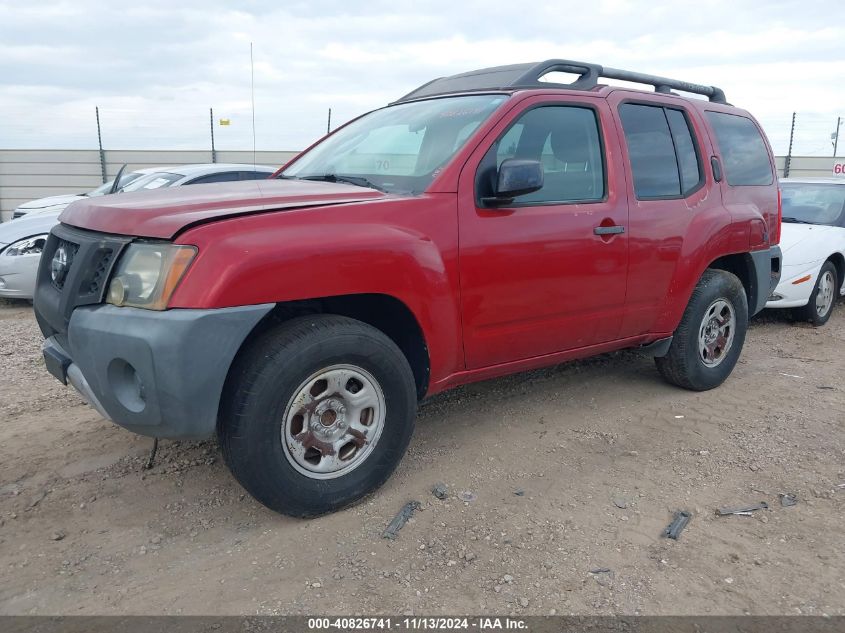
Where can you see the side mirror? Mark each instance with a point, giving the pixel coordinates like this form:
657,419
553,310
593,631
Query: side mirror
516,177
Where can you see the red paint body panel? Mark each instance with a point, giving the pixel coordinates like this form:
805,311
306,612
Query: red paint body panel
494,291
406,248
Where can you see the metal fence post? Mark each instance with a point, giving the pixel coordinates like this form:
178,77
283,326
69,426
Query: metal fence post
211,122
836,138
100,141
789,153
329,122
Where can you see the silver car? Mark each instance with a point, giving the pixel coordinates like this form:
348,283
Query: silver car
22,240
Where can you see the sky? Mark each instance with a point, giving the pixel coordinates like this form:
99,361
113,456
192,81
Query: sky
155,68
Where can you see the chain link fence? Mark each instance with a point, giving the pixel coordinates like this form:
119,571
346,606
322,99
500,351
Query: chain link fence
230,128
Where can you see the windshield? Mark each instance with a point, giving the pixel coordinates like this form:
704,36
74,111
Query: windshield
400,148
814,203
125,179
157,180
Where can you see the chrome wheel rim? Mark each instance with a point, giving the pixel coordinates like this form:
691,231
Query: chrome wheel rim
333,421
716,334
824,295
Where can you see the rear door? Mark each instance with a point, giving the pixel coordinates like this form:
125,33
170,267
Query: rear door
546,273
666,180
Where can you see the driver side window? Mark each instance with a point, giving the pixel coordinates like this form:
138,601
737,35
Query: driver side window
566,141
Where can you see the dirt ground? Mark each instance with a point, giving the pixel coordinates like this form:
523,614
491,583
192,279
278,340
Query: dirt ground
573,472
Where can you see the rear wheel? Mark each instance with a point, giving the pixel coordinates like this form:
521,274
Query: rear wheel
707,343
820,307
317,414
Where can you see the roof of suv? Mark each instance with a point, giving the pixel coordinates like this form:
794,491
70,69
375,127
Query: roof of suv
530,76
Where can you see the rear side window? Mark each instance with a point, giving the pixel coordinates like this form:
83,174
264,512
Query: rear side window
254,175
744,153
222,176
664,160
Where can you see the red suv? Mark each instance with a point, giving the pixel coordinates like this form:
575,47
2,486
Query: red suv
484,224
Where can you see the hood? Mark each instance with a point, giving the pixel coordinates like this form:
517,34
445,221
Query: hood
27,226
164,213
792,234
43,203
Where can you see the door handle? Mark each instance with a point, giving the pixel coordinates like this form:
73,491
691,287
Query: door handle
609,230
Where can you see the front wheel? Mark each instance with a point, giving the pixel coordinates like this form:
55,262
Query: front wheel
707,343
820,307
317,413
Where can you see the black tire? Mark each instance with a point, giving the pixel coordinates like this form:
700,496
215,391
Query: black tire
264,379
684,365
809,311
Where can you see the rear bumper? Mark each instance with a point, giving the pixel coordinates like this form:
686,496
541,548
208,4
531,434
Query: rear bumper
154,373
767,271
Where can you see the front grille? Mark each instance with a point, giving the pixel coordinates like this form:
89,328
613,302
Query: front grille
74,271
99,271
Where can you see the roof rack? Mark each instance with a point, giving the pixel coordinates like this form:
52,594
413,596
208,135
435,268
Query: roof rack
522,76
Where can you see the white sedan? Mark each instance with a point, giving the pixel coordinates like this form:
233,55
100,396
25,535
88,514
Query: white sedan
813,244
54,204
22,240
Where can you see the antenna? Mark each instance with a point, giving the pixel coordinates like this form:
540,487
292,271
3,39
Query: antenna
252,87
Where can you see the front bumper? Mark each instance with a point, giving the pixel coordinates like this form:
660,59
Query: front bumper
17,275
154,373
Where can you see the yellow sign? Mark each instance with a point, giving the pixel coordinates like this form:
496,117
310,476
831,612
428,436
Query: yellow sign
225,122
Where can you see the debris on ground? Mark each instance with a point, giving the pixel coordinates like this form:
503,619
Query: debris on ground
679,522
38,498
58,535
400,519
440,491
603,576
743,510
466,496
787,500
620,503
519,492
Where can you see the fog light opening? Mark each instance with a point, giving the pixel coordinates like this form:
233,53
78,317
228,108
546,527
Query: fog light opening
127,386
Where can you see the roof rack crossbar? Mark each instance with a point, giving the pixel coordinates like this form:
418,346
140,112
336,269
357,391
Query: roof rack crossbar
530,76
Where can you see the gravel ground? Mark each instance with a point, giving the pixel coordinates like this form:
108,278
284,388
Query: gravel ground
559,484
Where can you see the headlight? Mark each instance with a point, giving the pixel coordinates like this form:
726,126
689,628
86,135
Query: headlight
29,246
148,273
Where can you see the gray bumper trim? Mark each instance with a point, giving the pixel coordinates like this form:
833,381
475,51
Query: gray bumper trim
156,373
767,267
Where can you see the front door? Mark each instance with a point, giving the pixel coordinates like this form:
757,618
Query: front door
547,272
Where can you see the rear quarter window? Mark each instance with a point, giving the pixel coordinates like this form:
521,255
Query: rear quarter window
745,157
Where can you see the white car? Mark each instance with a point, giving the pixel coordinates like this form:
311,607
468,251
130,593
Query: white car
813,244
53,204
22,240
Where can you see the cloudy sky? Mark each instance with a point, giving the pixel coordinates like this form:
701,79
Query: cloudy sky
154,68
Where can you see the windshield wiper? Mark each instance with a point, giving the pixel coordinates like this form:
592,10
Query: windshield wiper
358,181
796,221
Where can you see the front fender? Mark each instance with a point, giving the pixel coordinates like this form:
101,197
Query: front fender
405,248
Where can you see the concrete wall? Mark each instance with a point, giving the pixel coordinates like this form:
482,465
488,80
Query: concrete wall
30,174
